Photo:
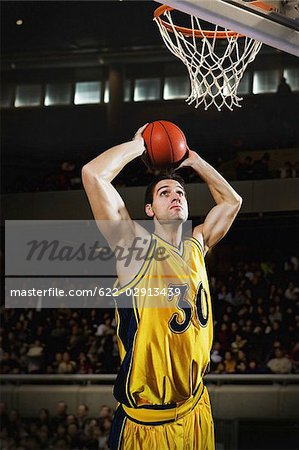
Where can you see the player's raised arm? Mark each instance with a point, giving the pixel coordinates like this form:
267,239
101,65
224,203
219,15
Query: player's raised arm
228,202
108,207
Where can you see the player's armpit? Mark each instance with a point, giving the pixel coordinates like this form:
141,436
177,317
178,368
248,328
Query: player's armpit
198,234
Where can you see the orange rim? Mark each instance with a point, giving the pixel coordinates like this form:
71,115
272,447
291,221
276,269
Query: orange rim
188,32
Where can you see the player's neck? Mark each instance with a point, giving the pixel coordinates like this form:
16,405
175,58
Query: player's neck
170,232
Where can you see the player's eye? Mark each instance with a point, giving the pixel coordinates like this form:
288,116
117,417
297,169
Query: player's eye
181,193
164,192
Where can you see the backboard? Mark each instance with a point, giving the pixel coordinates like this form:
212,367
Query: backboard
273,22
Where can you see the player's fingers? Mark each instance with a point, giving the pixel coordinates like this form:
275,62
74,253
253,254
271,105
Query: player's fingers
141,129
185,162
181,166
138,134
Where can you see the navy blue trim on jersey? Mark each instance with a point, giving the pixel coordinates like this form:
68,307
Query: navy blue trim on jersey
197,389
158,407
127,329
178,250
117,429
127,320
169,406
150,424
197,243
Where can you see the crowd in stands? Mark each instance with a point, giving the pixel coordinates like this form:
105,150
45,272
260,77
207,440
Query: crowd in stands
255,317
248,168
63,430
256,320
67,175
258,169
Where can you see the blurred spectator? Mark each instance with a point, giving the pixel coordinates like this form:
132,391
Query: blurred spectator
280,363
105,431
253,367
292,291
82,416
275,314
244,169
215,355
261,167
43,417
105,411
57,361
70,418
224,294
229,363
14,427
76,341
71,177
223,336
73,435
61,414
241,367
9,364
35,357
84,365
66,365
106,327
287,171
283,88
220,369
238,344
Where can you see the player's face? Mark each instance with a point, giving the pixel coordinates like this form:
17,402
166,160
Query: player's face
169,202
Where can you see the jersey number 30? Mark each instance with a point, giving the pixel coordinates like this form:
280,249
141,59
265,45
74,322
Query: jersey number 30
176,323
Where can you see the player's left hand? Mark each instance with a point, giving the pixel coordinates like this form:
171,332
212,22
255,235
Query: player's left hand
138,134
191,159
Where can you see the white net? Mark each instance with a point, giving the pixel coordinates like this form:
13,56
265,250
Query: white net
215,65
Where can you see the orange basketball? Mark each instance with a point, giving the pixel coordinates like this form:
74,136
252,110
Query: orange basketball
165,143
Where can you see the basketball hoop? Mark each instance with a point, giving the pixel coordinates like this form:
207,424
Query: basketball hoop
216,59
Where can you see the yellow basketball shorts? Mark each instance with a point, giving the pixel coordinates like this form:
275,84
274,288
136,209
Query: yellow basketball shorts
188,430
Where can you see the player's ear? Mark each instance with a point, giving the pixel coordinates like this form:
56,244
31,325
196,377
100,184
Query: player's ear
148,210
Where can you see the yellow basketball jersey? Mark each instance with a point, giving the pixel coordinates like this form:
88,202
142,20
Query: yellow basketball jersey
164,326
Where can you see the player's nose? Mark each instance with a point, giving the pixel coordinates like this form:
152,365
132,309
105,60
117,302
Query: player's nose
176,198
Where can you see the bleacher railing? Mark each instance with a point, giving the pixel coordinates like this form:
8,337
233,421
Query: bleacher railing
110,378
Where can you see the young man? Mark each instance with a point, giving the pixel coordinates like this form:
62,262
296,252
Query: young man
165,326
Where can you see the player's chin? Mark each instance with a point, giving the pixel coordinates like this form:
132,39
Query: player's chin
180,216
172,220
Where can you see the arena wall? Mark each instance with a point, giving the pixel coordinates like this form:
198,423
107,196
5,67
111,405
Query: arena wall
258,196
229,401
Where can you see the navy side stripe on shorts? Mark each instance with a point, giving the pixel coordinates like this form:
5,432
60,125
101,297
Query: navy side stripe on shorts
117,429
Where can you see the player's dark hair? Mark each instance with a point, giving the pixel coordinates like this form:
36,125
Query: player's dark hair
162,176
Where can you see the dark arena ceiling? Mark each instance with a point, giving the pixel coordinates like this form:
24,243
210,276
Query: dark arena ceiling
77,26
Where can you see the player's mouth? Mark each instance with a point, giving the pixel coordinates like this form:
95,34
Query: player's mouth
176,206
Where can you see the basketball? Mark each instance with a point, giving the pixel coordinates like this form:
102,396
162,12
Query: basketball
165,143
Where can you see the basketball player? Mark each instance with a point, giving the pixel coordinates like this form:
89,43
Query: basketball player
165,351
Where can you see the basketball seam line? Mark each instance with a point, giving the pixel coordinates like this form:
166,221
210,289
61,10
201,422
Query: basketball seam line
151,146
169,141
